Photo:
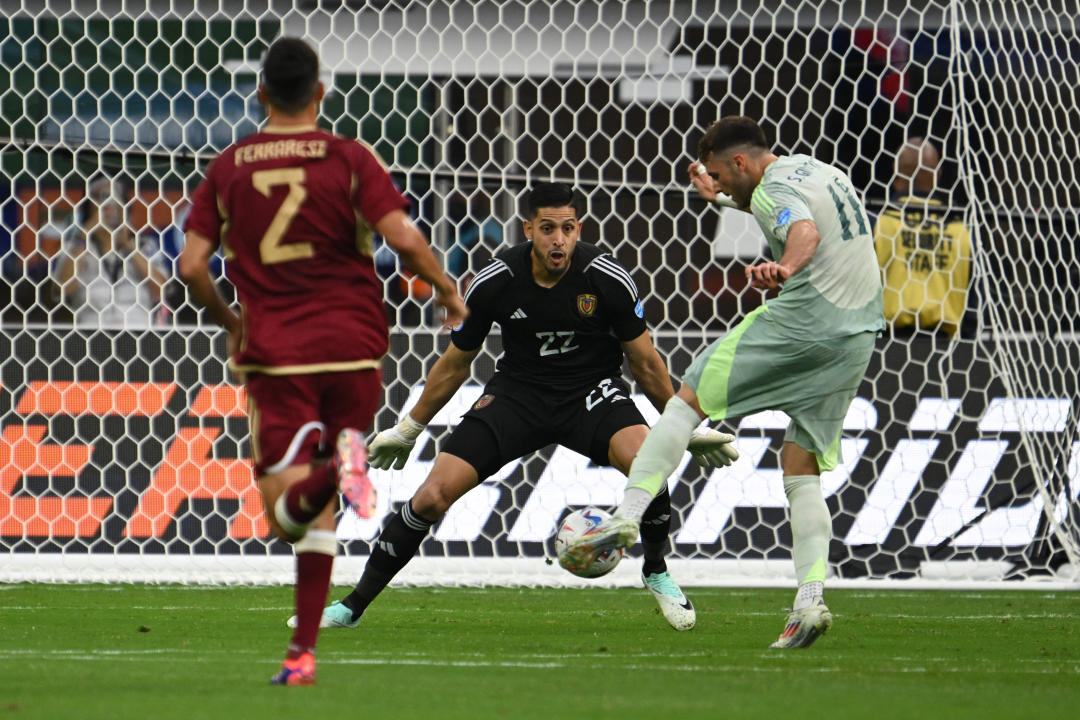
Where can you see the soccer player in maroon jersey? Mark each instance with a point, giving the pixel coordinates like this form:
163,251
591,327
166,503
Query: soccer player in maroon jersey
295,208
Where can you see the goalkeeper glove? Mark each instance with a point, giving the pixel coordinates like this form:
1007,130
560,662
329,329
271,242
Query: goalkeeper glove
713,449
392,447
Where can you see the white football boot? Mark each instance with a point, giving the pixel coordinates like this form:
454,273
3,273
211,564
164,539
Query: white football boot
677,608
805,626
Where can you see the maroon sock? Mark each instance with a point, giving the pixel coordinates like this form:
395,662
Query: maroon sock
312,585
306,499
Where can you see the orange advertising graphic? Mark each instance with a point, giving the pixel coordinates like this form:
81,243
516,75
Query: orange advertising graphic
189,469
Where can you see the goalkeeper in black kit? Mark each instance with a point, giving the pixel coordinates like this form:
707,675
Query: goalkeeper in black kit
569,315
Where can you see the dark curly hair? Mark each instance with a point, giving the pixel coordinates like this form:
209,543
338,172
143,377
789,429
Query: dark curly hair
729,132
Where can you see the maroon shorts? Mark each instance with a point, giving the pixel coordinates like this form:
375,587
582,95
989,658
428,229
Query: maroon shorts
296,418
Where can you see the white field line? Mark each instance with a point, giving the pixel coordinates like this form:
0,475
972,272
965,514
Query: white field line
692,591
533,613
613,661
470,590
922,594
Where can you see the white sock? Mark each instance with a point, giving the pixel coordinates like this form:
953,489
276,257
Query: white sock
658,457
811,527
807,594
317,541
634,503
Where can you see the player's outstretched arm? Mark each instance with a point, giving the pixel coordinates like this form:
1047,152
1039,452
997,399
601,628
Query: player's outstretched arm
649,370
408,242
392,447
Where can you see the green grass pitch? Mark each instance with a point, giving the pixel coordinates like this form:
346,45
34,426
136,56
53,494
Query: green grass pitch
124,651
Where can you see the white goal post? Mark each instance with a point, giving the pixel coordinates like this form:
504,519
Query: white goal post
123,441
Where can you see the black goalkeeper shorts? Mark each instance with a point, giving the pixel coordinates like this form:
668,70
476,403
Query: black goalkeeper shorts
513,419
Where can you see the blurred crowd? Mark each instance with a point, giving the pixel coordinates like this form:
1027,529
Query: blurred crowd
105,257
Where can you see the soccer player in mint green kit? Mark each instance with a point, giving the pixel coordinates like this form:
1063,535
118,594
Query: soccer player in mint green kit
804,352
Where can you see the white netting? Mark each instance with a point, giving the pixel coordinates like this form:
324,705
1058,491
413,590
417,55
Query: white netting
123,451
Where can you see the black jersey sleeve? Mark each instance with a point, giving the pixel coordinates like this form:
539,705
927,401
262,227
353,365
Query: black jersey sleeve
482,300
620,295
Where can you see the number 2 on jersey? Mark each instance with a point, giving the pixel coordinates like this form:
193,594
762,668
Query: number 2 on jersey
270,247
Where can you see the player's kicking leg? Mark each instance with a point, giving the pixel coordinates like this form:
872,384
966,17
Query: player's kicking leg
611,534
659,456
811,528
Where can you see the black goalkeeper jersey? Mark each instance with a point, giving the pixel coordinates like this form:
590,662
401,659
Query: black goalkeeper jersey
565,337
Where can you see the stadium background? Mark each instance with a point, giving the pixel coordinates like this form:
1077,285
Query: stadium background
125,451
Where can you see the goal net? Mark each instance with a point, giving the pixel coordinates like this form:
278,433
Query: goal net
124,449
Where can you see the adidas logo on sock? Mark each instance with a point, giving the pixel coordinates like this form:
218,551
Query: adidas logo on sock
388,548
518,314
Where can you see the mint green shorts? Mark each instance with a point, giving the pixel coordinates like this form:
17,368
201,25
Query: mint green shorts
754,367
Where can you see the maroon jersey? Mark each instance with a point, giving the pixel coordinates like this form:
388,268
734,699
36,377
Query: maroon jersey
294,213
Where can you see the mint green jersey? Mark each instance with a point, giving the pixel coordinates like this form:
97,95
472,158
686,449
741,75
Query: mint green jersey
839,291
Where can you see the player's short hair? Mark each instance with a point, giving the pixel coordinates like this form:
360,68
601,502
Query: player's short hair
553,194
290,74
731,131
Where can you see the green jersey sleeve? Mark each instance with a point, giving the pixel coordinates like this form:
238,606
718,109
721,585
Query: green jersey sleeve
777,206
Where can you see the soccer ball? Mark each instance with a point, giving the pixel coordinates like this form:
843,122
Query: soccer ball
574,526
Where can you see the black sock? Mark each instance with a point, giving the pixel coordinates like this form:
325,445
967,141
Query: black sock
655,528
393,549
